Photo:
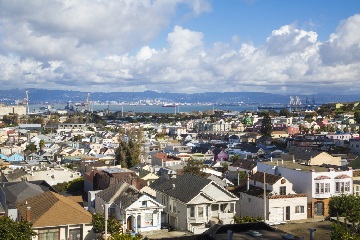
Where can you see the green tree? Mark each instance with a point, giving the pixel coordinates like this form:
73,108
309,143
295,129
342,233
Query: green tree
347,206
31,147
113,225
235,157
284,112
127,236
11,230
357,116
129,150
42,144
266,125
76,185
193,166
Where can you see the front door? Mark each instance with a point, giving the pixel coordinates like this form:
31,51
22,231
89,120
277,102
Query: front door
129,223
287,213
319,209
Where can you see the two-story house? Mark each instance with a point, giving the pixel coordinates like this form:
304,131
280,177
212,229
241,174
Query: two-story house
193,203
136,211
274,200
318,182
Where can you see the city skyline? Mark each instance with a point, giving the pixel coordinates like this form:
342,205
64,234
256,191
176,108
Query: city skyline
299,47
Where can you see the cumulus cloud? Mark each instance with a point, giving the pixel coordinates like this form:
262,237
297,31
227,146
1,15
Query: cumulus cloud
104,45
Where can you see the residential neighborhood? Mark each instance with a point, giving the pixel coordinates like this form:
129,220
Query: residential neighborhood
187,173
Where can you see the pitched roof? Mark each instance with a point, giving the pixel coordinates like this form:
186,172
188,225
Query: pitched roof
245,164
269,178
123,193
183,188
19,191
52,209
303,154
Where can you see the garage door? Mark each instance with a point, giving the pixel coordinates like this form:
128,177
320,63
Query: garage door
277,214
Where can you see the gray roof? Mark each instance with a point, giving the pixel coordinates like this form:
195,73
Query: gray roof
183,188
303,154
122,192
19,191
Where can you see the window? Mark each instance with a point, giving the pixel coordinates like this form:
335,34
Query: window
299,209
342,187
200,212
322,188
144,203
174,207
283,190
111,211
49,234
192,211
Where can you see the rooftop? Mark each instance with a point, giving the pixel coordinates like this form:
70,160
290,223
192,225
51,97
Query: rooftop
302,167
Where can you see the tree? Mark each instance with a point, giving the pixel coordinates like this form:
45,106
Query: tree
235,157
11,230
31,147
129,150
284,112
113,225
76,185
266,125
347,206
42,144
194,167
357,116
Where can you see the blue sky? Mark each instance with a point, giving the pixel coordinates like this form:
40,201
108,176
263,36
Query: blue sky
282,46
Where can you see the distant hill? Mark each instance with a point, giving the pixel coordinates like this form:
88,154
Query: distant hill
62,96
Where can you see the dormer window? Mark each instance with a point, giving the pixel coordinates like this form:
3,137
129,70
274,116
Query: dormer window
283,190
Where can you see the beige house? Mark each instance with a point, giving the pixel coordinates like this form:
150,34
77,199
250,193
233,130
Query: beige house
56,217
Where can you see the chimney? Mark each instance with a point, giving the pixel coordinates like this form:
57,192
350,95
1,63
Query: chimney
248,183
28,211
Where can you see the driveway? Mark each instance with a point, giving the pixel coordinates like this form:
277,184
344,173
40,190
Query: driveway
165,234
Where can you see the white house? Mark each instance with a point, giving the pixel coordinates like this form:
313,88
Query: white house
279,201
194,203
136,211
318,182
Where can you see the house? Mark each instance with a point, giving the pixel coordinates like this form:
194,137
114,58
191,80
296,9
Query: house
318,182
162,159
276,197
102,179
192,203
312,157
13,192
136,211
56,217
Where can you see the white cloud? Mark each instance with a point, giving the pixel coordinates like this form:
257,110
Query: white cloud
92,46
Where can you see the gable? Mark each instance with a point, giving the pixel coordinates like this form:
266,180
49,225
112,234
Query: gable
216,193
150,203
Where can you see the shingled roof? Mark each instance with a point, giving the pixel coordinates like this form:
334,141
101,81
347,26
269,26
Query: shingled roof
183,188
269,178
19,191
121,192
52,209
303,154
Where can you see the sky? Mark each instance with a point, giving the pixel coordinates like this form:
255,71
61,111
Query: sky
184,46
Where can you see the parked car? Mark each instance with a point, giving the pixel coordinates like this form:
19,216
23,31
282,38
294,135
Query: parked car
167,226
